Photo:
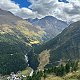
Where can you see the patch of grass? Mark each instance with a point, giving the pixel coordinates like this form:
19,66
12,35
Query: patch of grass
43,59
26,72
52,77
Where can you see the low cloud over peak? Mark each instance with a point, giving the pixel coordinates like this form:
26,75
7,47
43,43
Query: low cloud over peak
41,8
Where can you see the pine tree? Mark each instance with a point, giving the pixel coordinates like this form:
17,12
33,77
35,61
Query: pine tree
62,70
67,68
75,67
55,70
45,75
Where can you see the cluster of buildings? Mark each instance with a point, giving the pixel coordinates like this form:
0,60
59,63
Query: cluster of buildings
14,76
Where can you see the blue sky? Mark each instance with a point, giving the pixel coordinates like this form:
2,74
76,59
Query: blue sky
65,1
26,3
22,3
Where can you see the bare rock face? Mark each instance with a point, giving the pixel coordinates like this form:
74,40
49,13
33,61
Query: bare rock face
51,25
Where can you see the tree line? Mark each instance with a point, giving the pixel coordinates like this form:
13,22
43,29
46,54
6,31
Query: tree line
59,70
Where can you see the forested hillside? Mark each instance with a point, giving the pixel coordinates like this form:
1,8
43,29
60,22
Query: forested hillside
65,46
16,39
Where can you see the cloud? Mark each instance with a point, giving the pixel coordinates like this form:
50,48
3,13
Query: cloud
15,9
8,5
64,11
41,8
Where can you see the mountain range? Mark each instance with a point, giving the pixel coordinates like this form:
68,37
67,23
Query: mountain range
51,25
65,46
16,39
20,39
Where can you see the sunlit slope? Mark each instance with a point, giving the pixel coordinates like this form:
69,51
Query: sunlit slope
16,39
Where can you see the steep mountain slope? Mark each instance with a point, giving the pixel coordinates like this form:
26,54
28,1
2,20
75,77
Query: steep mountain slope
8,17
51,25
16,38
66,45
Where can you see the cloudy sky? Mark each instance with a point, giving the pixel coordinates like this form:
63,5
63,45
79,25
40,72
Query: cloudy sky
67,10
